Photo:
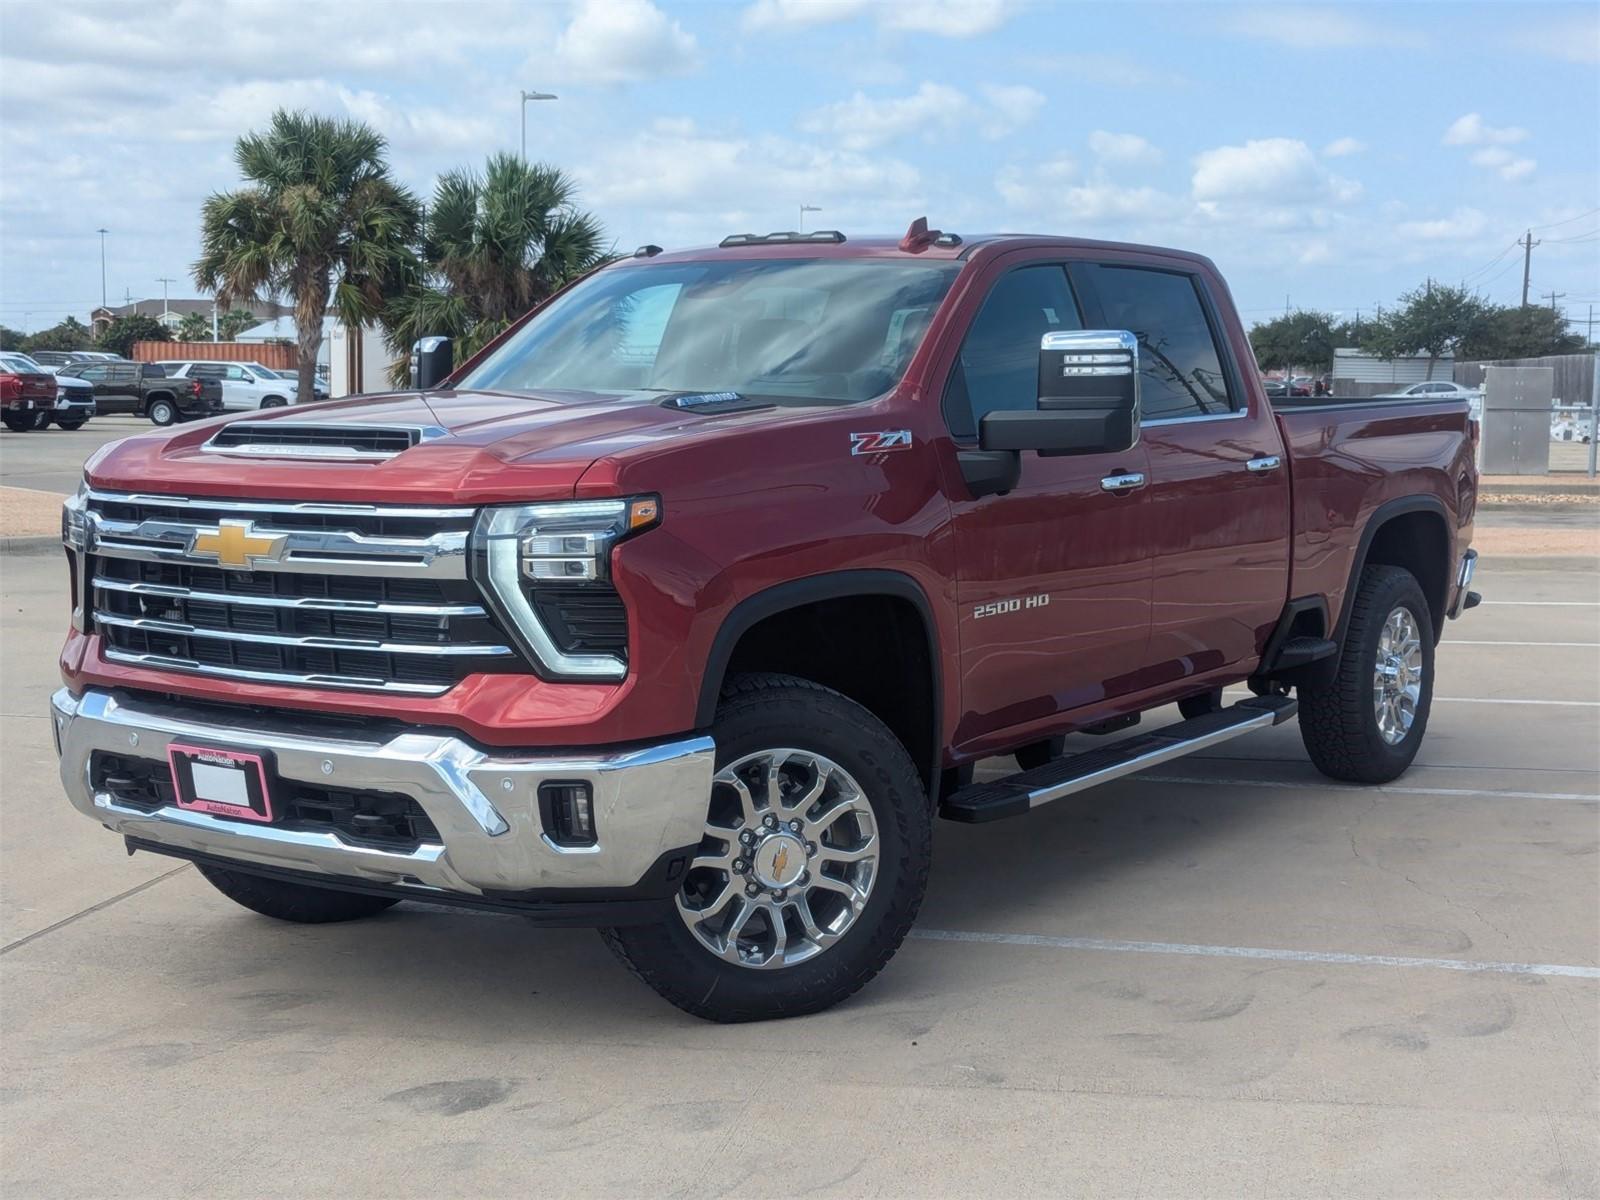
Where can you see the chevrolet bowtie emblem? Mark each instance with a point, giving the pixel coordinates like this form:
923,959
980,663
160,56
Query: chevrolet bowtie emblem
235,545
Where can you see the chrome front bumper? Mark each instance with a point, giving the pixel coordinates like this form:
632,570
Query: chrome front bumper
647,802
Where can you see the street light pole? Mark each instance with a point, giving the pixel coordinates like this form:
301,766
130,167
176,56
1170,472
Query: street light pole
165,307
526,96
804,209
102,233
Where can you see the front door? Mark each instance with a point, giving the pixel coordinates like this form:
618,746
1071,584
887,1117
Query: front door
1054,576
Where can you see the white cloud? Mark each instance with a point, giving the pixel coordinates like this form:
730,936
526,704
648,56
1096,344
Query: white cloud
945,18
1461,225
862,122
1343,147
622,41
1518,168
1471,130
1576,39
1276,170
1052,195
1308,27
1124,148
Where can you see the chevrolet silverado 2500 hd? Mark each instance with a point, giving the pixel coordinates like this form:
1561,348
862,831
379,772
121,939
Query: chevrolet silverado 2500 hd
684,607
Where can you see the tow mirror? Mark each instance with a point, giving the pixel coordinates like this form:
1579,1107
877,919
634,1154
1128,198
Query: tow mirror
1088,398
432,360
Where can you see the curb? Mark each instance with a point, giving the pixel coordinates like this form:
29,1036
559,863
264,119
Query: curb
42,544
1530,562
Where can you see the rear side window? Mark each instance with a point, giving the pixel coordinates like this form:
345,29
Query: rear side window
998,367
1180,369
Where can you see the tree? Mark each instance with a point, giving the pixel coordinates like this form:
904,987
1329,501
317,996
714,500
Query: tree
1431,320
495,245
121,334
1520,333
1303,338
195,327
231,324
11,339
69,334
320,218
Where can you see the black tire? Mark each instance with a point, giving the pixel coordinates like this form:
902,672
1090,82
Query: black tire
71,423
295,902
1338,718
163,412
274,402
763,712
19,423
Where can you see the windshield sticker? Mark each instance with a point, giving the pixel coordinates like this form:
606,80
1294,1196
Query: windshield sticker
880,443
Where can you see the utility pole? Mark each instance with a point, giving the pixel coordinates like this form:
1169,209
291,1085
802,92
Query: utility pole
165,309
1553,297
102,233
804,209
1527,244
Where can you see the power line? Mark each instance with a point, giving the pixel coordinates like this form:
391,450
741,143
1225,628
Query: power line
1569,220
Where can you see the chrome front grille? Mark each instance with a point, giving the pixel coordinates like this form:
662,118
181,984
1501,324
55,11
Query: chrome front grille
371,597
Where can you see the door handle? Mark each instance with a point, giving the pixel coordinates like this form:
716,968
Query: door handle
1122,481
1264,463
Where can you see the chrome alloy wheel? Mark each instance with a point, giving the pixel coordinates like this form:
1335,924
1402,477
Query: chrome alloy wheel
787,862
1397,676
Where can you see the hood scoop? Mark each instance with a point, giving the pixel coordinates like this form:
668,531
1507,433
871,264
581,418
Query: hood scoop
712,402
319,442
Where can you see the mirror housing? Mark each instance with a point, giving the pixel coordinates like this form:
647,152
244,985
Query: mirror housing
432,360
1088,398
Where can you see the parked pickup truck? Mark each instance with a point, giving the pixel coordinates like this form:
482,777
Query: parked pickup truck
143,389
27,394
685,606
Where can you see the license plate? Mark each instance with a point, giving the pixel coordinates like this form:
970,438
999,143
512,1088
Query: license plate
224,783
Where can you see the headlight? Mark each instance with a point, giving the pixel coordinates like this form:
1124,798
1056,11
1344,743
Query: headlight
74,521
528,553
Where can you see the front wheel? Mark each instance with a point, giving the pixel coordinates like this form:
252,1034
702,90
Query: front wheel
1366,723
19,422
163,412
274,402
813,863
71,423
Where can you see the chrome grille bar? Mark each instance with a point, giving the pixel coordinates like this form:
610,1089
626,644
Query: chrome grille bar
352,682
315,508
373,646
314,603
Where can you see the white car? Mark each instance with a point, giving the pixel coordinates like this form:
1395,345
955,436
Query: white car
245,386
1439,389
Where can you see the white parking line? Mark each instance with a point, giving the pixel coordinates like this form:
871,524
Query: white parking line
1305,956
1387,789
1468,642
1542,603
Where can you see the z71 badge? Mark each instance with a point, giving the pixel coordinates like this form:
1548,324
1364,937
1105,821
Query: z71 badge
880,443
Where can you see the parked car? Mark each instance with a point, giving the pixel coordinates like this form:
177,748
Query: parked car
320,384
54,360
1274,388
74,397
686,608
1439,389
143,389
245,387
27,394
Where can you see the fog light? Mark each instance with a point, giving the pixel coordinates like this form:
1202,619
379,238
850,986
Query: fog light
567,812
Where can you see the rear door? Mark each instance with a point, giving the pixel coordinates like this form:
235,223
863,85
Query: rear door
1219,476
1054,576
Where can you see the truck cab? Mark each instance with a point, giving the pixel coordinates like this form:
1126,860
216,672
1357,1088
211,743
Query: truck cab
685,606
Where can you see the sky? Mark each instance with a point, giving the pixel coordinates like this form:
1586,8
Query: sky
1327,156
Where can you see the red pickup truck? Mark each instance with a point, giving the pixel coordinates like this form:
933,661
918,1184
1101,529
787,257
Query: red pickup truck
683,608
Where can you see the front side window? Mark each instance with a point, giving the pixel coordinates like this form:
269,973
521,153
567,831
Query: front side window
998,367
92,374
1180,369
796,331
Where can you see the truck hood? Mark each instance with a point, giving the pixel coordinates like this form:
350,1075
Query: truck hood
470,447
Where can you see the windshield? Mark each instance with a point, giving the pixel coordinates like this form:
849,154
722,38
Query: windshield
789,330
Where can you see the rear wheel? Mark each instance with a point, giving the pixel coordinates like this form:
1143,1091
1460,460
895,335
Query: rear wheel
1366,723
813,863
295,902
163,412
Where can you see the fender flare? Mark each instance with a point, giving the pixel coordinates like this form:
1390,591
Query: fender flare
1380,517
797,593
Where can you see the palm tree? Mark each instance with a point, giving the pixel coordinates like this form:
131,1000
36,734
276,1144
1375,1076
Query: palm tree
319,218
495,246
194,327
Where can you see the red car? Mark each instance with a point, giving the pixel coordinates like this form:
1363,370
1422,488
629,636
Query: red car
27,398
686,606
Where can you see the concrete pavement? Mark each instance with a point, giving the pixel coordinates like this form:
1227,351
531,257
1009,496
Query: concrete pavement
160,1041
